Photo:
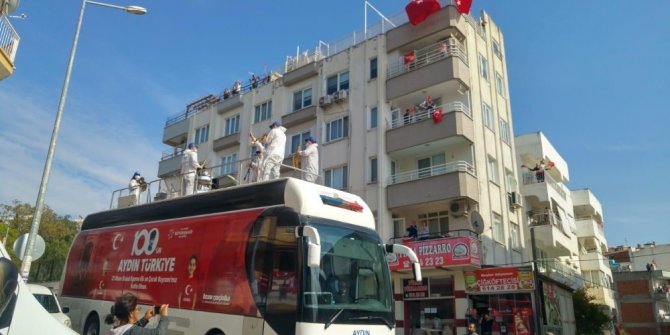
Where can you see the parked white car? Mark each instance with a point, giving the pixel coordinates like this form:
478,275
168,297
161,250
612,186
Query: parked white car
48,300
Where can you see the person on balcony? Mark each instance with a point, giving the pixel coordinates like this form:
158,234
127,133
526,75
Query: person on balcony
424,231
412,231
237,87
226,93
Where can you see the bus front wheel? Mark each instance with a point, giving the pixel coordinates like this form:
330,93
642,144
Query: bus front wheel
92,325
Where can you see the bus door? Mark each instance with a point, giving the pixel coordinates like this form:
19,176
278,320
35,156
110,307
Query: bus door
273,269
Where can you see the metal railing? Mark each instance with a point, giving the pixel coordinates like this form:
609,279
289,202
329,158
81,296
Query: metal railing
170,153
219,176
561,272
400,237
543,177
547,218
425,114
435,170
428,55
9,38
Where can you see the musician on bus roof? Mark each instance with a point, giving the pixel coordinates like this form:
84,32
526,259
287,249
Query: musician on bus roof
137,185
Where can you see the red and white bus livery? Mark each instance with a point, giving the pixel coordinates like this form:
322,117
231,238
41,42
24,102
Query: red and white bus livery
280,257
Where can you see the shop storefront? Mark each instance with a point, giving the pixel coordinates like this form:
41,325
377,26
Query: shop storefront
501,300
430,307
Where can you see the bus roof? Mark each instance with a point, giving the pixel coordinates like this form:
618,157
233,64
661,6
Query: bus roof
306,198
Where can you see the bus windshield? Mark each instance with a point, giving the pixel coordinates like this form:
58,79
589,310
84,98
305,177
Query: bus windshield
352,284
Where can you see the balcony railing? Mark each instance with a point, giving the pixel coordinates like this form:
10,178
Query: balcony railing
9,38
547,218
401,236
530,178
435,170
425,114
428,55
559,271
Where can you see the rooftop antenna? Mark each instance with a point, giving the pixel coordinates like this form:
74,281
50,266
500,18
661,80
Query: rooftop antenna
365,24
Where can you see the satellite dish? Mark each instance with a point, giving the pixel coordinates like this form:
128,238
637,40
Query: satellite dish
477,222
21,244
8,6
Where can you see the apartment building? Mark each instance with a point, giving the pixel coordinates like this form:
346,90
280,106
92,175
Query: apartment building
551,229
9,39
595,264
644,301
453,176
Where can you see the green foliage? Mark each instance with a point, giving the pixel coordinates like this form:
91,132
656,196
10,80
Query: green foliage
57,231
589,317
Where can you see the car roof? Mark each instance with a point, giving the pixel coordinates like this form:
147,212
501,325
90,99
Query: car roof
39,289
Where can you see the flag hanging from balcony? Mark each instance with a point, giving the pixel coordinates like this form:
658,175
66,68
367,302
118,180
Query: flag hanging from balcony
419,10
463,6
437,115
409,57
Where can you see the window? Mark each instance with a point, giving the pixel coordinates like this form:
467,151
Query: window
498,234
438,222
373,170
263,111
483,67
337,178
504,131
373,68
337,129
229,164
232,125
511,181
302,99
496,49
430,166
201,134
297,141
500,85
493,169
487,116
337,82
372,120
515,237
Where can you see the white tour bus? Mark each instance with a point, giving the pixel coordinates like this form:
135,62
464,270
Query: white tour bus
278,257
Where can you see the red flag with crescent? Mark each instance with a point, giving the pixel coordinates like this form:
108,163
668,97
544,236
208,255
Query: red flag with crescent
463,6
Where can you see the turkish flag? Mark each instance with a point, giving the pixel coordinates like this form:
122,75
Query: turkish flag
437,115
463,6
418,10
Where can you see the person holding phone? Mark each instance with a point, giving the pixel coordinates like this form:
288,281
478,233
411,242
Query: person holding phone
124,315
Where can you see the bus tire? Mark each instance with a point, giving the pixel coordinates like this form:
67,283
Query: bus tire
215,332
92,325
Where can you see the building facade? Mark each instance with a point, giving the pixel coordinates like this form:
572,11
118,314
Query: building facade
644,301
449,169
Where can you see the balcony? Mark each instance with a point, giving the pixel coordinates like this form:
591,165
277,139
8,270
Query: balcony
594,261
435,64
176,130
550,232
588,227
412,130
299,116
561,272
226,142
601,295
301,68
170,163
436,183
9,45
443,23
537,186
229,103
455,248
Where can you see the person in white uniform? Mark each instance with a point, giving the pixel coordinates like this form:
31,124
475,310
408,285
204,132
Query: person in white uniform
189,167
275,144
311,165
135,186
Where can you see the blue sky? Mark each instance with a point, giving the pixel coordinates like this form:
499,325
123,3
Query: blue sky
592,75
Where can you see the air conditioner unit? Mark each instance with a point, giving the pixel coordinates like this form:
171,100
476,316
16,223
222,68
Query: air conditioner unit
325,100
459,207
515,200
341,95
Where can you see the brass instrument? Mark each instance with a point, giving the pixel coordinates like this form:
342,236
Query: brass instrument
142,184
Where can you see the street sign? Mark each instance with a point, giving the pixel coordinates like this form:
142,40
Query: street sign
22,242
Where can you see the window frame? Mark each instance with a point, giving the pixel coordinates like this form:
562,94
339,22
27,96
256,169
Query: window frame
498,231
515,235
263,111
228,165
374,68
496,49
504,131
201,134
373,117
492,169
373,173
340,84
488,117
484,68
500,85
329,174
303,100
301,137
344,129
230,123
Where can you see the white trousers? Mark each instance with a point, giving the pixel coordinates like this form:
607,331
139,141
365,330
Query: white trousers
271,167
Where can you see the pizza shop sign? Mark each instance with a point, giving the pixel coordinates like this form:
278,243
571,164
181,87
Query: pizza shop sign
450,251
